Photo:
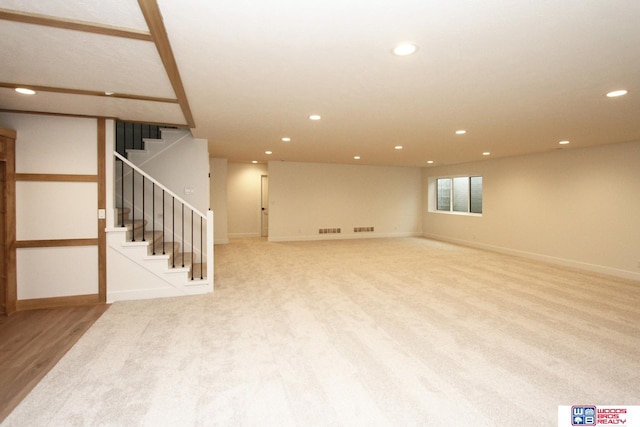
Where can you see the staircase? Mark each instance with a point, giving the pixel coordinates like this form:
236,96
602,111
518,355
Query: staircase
157,247
160,245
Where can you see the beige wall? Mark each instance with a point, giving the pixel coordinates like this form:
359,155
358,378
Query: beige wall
244,196
304,197
577,207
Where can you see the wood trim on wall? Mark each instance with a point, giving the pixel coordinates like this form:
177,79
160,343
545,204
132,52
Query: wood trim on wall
44,177
102,204
100,241
9,133
53,302
55,243
70,24
7,140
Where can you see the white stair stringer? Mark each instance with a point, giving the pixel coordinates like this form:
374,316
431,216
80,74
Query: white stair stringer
154,147
134,274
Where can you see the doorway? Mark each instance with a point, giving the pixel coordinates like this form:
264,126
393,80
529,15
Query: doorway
264,204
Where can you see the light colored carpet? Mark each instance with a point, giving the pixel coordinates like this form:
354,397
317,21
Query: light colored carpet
397,332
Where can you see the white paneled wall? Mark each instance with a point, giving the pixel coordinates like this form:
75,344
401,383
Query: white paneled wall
55,145
57,272
55,209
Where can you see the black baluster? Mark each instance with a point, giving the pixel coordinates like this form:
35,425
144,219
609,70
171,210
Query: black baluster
173,225
122,193
183,235
133,205
137,130
163,251
128,137
143,238
193,260
153,219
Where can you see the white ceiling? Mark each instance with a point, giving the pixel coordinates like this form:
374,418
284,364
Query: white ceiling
519,76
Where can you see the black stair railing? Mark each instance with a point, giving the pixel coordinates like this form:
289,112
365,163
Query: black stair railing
191,233
131,136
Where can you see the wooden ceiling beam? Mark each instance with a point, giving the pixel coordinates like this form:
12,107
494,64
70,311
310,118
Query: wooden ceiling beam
87,92
69,24
152,15
89,116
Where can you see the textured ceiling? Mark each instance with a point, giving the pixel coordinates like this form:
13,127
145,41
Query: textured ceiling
519,76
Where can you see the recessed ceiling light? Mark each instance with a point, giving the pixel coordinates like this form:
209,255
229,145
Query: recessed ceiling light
398,147
615,93
254,161
286,139
430,162
25,91
405,49
315,117
268,152
461,132
356,157
563,142
486,153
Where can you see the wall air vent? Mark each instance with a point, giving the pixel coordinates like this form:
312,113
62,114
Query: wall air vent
362,229
328,231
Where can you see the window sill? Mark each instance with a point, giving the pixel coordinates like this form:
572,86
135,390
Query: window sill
457,213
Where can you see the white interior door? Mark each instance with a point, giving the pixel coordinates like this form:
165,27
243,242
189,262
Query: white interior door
265,205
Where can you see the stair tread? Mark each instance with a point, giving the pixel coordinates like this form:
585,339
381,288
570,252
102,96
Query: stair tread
137,223
197,269
167,248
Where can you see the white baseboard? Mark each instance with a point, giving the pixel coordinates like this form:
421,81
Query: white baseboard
138,294
579,265
346,236
243,235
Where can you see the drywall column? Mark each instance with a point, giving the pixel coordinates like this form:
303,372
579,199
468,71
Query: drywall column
218,198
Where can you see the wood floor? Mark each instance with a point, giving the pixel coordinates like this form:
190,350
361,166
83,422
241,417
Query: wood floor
32,342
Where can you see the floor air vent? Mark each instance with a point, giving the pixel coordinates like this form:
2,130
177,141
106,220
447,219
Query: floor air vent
362,229
328,231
